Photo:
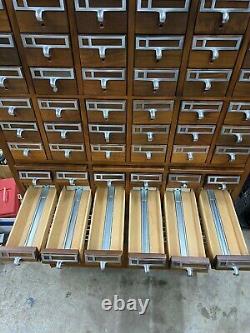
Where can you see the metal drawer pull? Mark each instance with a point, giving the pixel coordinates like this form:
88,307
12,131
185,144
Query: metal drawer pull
240,107
23,5
1,5
152,113
200,75
34,176
103,75
156,76
201,108
190,156
148,7
244,75
238,132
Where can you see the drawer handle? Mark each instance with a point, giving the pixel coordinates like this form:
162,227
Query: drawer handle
107,136
158,54
195,137
64,134
247,115
148,155
152,113
239,137
58,113
215,55
26,152
104,83
225,17
105,114
150,136
156,84
2,82
46,51
162,16
208,84
102,52
52,82
67,153
100,15
11,111
39,14
108,155
190,156
34,181
200,115
72,182
232,157
19,132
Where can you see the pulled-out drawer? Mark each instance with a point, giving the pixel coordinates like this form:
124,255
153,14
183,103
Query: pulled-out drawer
225,241
8,51
178,180
19,131
147,134
148,153
199,112
59,109
152,111
72,178
230,156
105,241
234,135
238,113
5,26
108,152
145,240
12,80
184,236
243,84
102,111
29,233
17,109
27,152
68,230
189,154
194,134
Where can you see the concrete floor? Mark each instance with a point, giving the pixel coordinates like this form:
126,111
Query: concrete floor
37,299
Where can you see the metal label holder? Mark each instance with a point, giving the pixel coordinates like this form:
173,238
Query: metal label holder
92,75
238,107
149,150
143,75
193,75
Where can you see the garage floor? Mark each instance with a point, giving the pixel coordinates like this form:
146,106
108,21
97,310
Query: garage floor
37,299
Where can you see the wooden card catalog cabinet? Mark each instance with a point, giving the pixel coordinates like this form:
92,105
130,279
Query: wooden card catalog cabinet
146,240
184,237
225,242
105,240
30,231
67,234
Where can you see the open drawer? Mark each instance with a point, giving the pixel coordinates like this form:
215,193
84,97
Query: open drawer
105,242
30,231
225,242
67,234
184,237
146,241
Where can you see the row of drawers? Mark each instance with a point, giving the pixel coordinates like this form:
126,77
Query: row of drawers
114,111
160,16
110,51
147,82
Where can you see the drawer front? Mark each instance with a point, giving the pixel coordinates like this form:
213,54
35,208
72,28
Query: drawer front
16,109
199,112
12,80
147,180
230,156
72,178
234,135
54,80
108,16
102,178
5,26
35,177
214,51
20,131
158,51
148,153
69,153
207,82
104,81
102,50
8,51
162,16
47,50
150,134
59,109
102,111
64,132
243,84
184,180
238,113
222,16
27,152
189,154
108,152
107,133
41,16
221,182
152,82
152,112
194,134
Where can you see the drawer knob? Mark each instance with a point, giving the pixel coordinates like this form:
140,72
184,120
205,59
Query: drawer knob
152,113
108,155
64,134
223,187
158,54
105,114
104,83
162,16
58,113
39,14
195,137
26,152
239,137
107,136
150,136
200,115
232,157
156,84
247,115
102,265
72,182
52,82
19,132
46,51
190,156
215,54
148,155
146,268
2,82
67,153
11,111
34,181
208,84
225,17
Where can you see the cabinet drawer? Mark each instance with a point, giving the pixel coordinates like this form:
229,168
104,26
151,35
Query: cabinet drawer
194,134
147,180
69,153
110,152
102,111
238,113
152,112
214,51
221,182
207,82
199,112
243,84
222,16
108,16
147,134
27,152
102,50
54,80
12,80
189,154
72,178
158,51
153,82
34,178
148,153
41,15
8,51
16,109
64,132
230,156
235,135
107,133
184,180
19,131
59,109
162,16
47,50
5,26
104,81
